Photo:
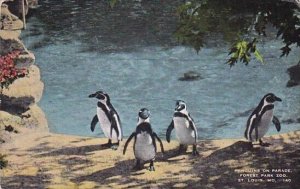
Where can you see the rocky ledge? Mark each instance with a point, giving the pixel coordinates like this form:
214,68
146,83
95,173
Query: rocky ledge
19,112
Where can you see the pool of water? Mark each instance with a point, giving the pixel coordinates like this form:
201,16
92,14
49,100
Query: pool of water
131,54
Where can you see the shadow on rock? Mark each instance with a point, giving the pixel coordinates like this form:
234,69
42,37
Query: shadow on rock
24,181
121,168
234,150
78,150
15,106
219,169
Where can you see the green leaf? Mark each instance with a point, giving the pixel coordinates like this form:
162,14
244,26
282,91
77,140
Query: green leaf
112,3
258,56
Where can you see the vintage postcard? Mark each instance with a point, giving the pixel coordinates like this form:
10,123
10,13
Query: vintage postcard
149,94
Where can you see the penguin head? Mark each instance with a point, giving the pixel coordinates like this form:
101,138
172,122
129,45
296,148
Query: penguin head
271,98
180,105
100,95
144,114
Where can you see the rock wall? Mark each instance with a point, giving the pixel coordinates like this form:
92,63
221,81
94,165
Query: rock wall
19,111
294,73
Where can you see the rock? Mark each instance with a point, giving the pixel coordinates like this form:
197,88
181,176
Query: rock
37,120
9,42
9,128
29,86
18,109
9,21
288,121
9,38
294,73
190,76
16,7
32,4
291,83
16,106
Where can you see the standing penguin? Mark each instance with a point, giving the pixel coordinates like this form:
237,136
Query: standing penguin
185,128
144,141
108,118
259,121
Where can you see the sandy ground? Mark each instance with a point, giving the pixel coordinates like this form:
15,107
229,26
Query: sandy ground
44,160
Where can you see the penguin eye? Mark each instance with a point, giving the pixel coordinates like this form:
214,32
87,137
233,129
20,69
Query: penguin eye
270,99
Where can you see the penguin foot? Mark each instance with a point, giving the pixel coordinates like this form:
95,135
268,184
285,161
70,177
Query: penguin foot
151,168
265,144
195,152
114,147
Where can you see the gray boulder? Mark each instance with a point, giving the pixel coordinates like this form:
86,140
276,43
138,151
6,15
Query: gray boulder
294,73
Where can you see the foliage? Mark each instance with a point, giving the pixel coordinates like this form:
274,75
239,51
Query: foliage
241,51
285,18
3,161
241,23
112,3
8,70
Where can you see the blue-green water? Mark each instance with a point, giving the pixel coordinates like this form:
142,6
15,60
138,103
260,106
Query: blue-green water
130,52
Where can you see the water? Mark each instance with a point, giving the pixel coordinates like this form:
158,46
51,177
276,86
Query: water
131,54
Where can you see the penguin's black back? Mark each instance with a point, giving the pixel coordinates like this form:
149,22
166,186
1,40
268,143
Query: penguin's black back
108,113
256,111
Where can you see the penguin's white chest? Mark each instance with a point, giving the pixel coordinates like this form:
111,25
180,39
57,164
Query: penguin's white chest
105,124
184,134
144,148
264,124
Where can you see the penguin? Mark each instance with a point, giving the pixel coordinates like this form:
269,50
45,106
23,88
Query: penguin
259,121
185,128
144,141
108,118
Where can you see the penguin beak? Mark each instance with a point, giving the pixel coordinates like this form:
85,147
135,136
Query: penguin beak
277,99
179,107
145,115
92,95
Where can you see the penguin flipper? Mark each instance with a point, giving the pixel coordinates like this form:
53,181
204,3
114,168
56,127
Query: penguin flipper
193,127
114,125
256,133
190,116
276,122
253,126
247,128
94,122
161,144
127,142
153,141
169,130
